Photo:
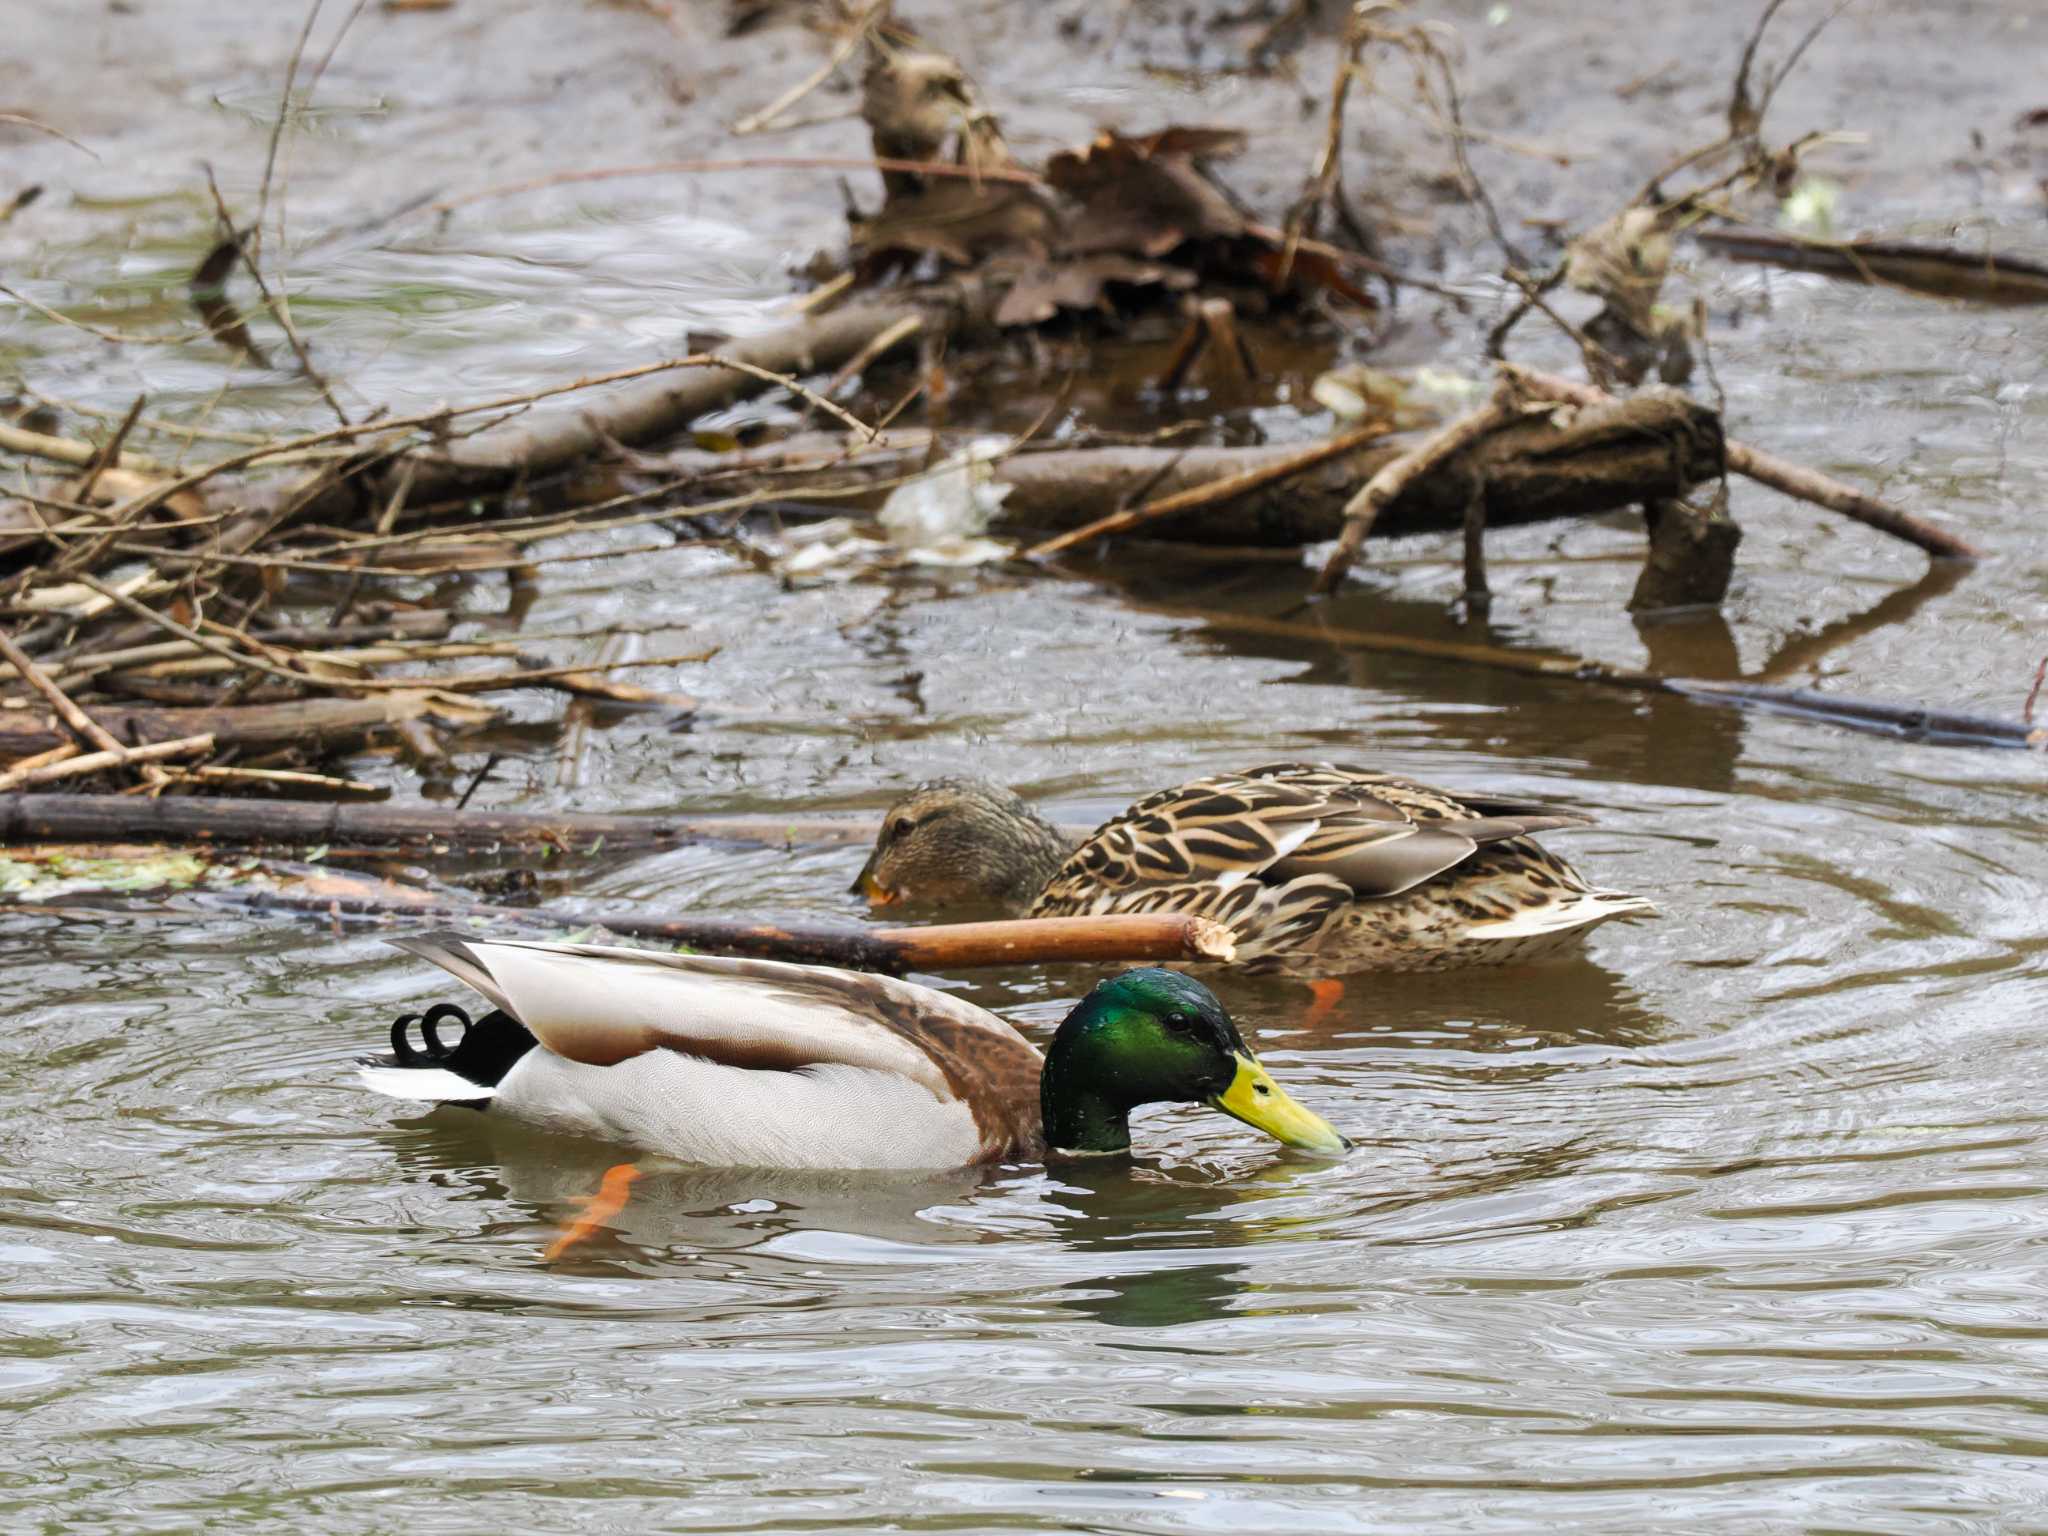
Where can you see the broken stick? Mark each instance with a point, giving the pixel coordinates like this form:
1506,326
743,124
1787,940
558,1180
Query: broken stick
1363,510
1113,939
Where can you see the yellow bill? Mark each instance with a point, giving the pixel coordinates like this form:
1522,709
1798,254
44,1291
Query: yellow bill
1263,1104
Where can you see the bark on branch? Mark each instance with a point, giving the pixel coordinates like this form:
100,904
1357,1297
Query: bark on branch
194,820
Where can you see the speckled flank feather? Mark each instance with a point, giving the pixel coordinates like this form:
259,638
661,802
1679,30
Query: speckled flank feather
1319,869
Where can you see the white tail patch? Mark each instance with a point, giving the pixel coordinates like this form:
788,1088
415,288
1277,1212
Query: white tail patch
434,1084
1560,917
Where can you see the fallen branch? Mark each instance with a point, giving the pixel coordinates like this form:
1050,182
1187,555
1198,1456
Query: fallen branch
1655,443
544,442
1767,469
1115,939
301,722
410,829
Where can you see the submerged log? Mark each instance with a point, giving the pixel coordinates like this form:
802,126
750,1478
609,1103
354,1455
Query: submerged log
410,829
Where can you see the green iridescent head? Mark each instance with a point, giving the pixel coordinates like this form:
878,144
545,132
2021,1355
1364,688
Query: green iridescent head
1156,1036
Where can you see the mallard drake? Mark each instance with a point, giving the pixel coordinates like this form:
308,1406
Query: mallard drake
757,1064
1317,869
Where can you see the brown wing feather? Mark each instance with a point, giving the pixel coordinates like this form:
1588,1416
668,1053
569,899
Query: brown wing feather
1275,824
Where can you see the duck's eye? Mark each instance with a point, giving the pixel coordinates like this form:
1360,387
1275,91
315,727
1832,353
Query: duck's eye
900,826
1180,1023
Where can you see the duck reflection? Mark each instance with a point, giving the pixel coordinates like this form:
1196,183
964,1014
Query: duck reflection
1562,1001
672,1206
1158,1298
1623,735
1150,1222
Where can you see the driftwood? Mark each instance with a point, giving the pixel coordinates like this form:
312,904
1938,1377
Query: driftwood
196,820
69,762
1656,443
1216,493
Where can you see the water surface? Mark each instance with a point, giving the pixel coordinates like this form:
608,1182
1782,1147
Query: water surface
1735,1222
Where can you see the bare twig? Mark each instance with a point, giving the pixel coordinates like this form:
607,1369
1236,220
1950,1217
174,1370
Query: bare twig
1363,510
1599,361
25,121
214,773
1326,179
275,451
856,31
94,762
77,720
284,112
274,302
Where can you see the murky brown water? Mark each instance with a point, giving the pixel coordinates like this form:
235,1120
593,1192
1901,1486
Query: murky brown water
1736,1223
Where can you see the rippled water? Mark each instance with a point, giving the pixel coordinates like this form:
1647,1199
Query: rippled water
1735,1223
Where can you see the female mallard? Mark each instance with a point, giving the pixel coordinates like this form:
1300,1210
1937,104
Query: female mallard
1316,869
756,1064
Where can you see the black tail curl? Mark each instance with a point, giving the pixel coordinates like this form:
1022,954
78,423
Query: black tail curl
482,1054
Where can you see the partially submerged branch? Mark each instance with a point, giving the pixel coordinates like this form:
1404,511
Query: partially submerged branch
1793,479
415,830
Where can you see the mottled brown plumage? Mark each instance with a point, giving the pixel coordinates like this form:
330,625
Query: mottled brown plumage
1316,868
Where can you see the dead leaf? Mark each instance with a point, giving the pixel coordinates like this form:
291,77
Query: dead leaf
1145,195
1042,289
1624,262
958,221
